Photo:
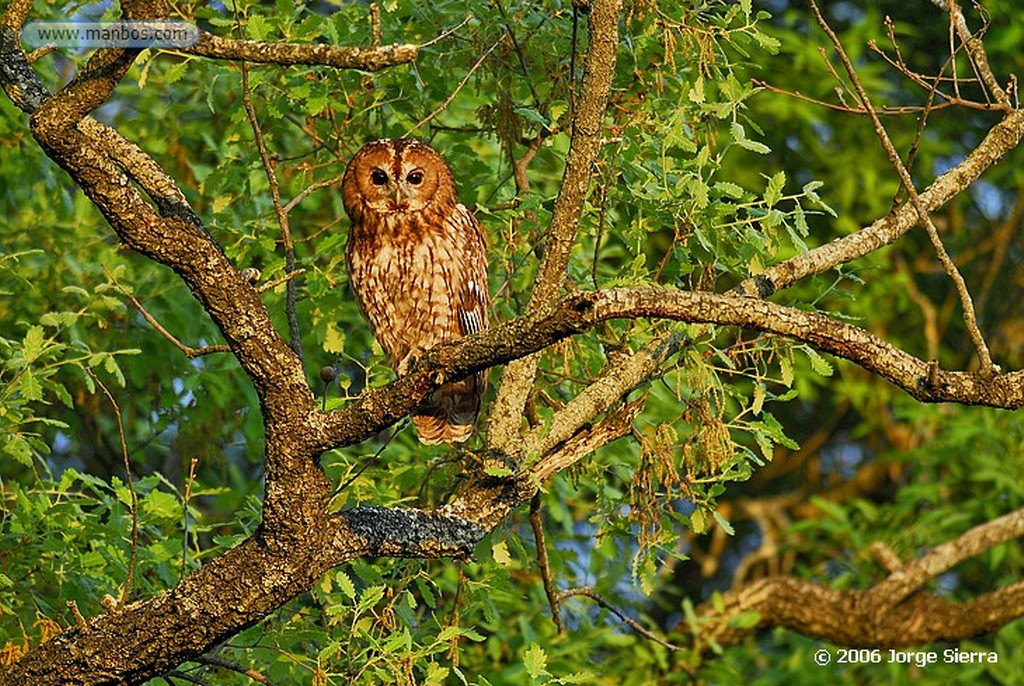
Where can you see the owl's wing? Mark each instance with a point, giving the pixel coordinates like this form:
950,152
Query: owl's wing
471,298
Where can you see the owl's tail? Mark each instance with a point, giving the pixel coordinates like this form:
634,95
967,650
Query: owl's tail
449,415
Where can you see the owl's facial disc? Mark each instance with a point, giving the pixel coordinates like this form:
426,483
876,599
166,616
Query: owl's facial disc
403,193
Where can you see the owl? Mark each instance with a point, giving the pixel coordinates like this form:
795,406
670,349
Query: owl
417,266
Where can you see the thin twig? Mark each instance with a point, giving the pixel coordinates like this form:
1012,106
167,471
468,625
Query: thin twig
458,88
234,667
280,280
188,351
369,463
537,523
178,674
975,50
295,333
127,585
184,506
588,592
970,320
375,30
445,34
309,190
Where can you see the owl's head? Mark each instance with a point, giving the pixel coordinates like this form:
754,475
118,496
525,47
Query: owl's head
397,175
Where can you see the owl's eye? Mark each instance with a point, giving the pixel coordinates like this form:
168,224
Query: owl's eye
379,177
415,178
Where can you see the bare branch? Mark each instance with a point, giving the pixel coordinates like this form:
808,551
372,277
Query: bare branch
976,50
133,504
295,333
465,79
189,352
911,577
537,524
636,626
970,319
889,615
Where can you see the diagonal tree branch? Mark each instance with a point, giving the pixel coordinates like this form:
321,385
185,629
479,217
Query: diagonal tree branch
618,378
599,68
966,303
1003,137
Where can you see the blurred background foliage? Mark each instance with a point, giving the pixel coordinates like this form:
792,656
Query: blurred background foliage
754,455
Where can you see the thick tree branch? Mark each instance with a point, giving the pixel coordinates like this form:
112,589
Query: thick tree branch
885,616
580,312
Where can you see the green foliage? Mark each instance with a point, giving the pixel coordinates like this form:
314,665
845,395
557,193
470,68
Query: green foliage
705,179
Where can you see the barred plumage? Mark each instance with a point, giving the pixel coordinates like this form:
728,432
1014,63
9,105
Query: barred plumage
417,266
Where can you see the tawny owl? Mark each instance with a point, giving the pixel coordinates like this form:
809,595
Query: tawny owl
417,265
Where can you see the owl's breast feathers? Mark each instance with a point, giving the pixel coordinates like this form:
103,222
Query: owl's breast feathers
421,279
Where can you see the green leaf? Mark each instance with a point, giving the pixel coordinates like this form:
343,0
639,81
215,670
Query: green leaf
162,505
773,193
723,522
371,596
818,363
535,660
33,344
345,584
532,115
30,387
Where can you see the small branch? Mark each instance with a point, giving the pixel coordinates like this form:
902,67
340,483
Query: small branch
375,30
308,190
295,333
270,285
367,59
126,587
585,442
189,352
445,34
970,319
537,524
458,88
184,505
80,622
976,51
234,667
588,592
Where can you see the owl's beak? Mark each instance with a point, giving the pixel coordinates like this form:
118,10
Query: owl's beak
396,194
